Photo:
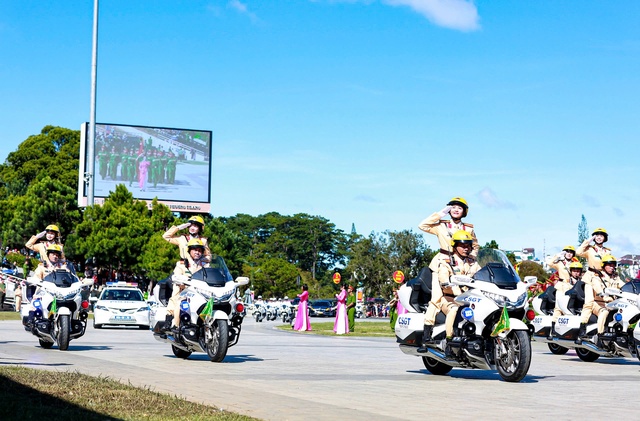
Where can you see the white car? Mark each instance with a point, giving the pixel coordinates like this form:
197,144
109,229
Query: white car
121,304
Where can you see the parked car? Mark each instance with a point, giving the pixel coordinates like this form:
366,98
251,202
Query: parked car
321,308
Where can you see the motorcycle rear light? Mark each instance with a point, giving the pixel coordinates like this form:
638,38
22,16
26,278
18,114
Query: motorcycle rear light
85,305
239,307
530,315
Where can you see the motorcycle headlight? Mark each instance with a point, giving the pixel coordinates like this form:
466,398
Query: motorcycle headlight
225,297
502,301
205,293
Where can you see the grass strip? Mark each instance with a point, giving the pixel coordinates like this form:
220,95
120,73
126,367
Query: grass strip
363,329
30,394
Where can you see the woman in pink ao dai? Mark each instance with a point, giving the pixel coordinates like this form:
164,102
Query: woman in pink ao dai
341,325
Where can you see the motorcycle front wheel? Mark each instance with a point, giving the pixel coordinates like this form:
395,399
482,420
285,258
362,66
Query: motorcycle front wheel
557,349
63,332
219,343
513,356
436,367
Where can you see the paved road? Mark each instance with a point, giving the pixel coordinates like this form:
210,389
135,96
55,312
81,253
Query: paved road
277,375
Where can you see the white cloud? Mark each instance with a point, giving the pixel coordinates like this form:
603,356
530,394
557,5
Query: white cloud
243,9
454,14
489,198
590,201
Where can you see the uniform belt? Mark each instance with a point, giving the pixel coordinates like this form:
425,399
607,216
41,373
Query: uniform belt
447,252
594,271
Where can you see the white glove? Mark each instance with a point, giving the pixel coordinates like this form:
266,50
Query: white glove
445,211
593,239
184,226
179,279
41,234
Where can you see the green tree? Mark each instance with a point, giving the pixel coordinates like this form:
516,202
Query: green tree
529,268
46,201
583,230
370,264
116,232
275,277
492,245
54,153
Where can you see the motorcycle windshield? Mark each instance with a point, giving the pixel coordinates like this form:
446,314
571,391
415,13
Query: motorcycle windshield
633,286
496,269
216,275
61,278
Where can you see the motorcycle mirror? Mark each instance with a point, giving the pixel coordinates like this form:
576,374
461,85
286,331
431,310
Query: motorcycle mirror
530,280
242,280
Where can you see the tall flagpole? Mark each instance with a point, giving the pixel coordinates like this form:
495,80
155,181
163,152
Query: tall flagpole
89,177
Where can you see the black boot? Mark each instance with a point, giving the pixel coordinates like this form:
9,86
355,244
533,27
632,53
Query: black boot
582,332
167,323
426,338
551,331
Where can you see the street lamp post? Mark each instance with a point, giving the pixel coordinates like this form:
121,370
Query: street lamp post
89,178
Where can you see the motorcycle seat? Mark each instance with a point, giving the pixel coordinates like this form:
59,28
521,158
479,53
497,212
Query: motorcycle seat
576,297
421,289
548,300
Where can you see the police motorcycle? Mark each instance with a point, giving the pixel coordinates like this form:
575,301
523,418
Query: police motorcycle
288,312
58,310
272,311
210,314
259,312
488,332
543,307
621,337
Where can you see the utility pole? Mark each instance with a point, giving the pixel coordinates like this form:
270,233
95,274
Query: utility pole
89,175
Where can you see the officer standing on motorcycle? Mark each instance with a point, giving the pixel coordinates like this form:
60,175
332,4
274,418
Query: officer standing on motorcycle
195,227
184,269
461,262
51,235
561,263
594,298
594,253
457,208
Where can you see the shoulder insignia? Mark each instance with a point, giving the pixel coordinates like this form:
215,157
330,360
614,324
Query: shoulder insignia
467,225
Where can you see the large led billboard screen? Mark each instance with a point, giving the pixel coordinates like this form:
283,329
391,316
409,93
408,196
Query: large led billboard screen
173,165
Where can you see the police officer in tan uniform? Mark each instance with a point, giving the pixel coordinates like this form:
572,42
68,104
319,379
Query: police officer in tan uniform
195,227
51,235
53,261
460,262
561,262
183,270
436,224
594,298
594,252
575,274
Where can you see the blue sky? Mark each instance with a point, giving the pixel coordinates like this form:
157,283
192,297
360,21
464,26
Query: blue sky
373,112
